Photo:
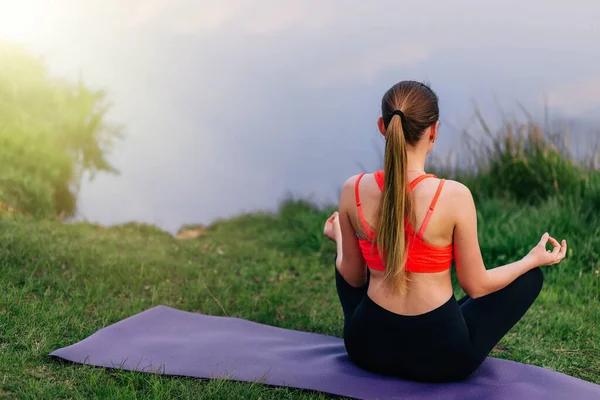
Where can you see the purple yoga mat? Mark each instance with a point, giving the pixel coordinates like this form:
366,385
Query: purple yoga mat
173,342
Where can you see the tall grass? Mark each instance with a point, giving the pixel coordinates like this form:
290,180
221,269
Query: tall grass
522,162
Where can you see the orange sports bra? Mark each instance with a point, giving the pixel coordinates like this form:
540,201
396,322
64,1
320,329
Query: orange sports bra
422,257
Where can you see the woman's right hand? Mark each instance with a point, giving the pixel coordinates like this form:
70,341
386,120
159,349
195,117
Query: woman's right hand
540,256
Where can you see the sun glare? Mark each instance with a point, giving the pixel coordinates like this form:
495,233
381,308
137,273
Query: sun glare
21,20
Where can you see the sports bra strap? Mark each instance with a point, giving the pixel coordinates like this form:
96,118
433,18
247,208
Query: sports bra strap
414,183
356,189
419,179
431,208
361,216
380,179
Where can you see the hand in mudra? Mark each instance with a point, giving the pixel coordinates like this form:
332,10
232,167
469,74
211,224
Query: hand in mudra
542,257
332,227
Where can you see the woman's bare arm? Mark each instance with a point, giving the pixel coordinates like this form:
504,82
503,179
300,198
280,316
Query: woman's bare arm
474,278
350,261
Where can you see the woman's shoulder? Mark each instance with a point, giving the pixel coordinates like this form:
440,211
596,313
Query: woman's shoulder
457,195
456,187
349,186
452,188
351,181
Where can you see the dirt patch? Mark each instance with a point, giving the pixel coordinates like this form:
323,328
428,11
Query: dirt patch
191,233
501,349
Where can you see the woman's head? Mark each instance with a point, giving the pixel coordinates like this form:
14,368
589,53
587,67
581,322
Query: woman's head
419,106
409,111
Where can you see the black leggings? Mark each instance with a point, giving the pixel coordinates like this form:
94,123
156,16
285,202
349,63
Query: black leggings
446,344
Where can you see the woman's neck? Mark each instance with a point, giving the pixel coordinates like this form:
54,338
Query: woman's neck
415,161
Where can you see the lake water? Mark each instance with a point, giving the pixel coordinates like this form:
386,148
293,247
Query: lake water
230,105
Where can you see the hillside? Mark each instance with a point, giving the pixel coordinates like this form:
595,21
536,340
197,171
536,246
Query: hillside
60,283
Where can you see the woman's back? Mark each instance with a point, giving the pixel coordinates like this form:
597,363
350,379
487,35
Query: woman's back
424,291
406,321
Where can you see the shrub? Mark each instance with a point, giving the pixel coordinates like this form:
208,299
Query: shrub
52,132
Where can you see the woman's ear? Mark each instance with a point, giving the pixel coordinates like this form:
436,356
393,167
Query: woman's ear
434,132
381,126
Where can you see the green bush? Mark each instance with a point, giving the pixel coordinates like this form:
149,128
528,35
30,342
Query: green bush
52,131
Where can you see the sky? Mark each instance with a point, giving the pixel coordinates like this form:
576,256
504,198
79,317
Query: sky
230,106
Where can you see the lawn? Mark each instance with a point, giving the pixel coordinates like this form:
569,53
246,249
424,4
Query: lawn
60,283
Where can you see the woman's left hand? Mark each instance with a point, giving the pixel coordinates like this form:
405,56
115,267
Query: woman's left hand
332,227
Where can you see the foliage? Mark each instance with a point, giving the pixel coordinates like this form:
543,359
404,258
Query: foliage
522,162
52,131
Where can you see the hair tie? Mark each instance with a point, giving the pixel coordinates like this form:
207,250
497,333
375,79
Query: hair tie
398,112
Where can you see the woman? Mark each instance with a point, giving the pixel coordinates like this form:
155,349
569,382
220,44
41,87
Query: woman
397,232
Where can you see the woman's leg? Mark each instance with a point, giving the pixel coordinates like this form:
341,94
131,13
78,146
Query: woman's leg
349,296
490,317
462,300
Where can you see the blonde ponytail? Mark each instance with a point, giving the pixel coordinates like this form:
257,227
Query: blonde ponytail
395,206
407,109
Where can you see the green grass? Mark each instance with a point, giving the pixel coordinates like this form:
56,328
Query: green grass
61,283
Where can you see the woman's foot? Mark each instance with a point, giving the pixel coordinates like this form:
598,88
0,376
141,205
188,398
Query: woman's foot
332,227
